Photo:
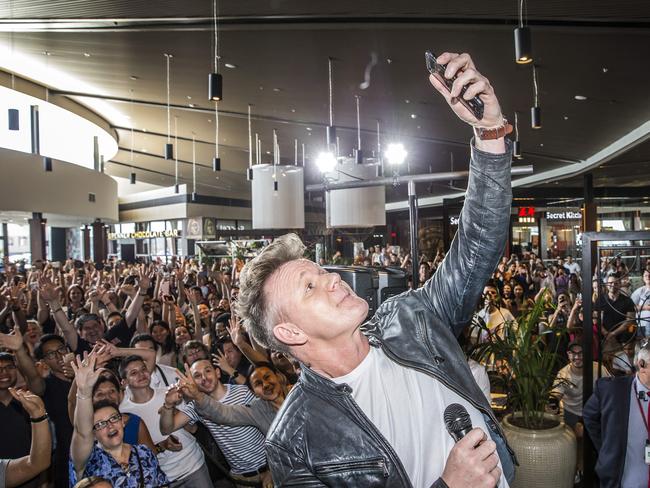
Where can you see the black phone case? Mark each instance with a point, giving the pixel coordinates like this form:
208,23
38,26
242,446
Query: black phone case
474,105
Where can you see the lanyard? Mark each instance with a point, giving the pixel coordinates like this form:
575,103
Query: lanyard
643,415
645,422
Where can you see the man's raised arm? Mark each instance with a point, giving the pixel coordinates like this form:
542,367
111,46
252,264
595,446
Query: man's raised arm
453,291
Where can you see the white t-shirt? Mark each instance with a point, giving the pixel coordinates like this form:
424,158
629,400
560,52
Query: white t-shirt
641,298
481,377
572,393
175,464
157,380
383,389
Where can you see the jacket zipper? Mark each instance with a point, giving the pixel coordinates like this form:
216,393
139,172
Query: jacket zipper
377,463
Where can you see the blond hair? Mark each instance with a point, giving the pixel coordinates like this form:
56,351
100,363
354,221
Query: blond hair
252,307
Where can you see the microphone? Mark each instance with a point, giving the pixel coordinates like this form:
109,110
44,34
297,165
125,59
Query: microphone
457,421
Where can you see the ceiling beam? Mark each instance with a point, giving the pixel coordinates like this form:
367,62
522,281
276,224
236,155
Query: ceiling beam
203,23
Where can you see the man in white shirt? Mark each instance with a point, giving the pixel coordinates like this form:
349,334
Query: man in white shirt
641,299
179,455
363,414
571,266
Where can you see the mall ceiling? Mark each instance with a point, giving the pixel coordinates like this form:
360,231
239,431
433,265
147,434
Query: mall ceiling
598,50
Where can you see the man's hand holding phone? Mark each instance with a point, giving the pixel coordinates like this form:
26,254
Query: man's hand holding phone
462,68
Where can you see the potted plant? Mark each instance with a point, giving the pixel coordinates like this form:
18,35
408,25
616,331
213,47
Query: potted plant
526,359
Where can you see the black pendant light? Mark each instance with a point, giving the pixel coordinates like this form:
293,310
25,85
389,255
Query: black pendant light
216,160
216,164
193,167
169,147
249,171
535,110
176,185
47,164
215,80
523,43
133,178
358,153
331,129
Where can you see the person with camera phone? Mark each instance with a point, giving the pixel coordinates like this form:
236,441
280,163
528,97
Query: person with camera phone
369,407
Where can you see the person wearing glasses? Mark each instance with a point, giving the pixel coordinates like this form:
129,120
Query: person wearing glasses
98,447
53,352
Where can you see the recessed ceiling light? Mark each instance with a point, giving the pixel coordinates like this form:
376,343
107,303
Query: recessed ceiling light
86,55
309,128
388,60
268,152
277,90
407,101
189,97
144,130
134,78
293,110
541,144
230,65
47,53
144,149
419,127
605,70
566,117
191,105
261,87
210,120
414,116
580,97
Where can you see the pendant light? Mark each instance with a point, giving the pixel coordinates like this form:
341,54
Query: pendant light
169,147
276,157
358,154
216,161
176,186
516,145
523,44
132,176
249,172
14,115
47,164
215,80
380,166
536,110
331,130
193,167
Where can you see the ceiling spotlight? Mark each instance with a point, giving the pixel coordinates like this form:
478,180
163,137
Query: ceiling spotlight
581,98
414,116
396,154
325,162
215,80
134,78
230,65
86,55
277,90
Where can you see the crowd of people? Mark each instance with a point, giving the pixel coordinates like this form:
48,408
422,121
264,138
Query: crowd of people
140,374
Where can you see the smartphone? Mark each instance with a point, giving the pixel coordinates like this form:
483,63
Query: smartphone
474,105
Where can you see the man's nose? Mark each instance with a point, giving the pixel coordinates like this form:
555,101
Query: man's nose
334,281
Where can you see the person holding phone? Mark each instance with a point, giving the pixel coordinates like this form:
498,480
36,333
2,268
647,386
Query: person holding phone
368,408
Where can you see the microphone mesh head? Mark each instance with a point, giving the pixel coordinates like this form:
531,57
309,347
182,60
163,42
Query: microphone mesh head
457,419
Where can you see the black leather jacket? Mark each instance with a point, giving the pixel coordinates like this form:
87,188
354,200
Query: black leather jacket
320,436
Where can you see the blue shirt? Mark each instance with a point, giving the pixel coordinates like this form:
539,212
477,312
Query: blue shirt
100,463
635,472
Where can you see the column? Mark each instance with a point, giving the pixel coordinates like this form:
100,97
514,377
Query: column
57,243
85,238
100,247
37,236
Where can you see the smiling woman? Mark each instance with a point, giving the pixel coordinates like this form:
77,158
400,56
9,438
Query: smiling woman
98,447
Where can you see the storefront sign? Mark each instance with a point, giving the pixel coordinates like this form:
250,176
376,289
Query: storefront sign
568,215
454,220
526,212
144,234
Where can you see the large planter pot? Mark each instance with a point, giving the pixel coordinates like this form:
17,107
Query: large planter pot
547,458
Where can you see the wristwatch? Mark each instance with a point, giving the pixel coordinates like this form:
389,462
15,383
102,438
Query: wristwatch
486,134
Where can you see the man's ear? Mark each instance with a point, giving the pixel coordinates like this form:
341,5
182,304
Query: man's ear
289,334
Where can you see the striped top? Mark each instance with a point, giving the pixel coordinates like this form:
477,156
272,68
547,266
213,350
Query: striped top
243,446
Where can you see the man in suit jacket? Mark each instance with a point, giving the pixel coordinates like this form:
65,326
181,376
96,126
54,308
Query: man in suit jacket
616,417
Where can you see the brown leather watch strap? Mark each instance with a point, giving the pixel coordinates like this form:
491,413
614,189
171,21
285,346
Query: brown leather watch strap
486,134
